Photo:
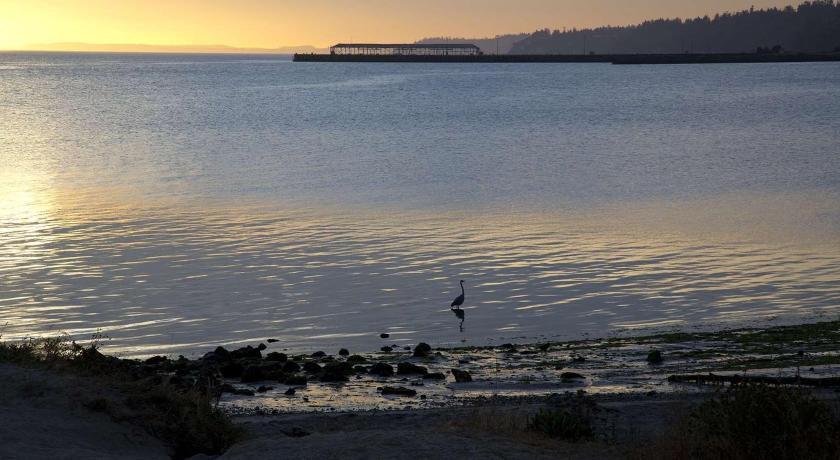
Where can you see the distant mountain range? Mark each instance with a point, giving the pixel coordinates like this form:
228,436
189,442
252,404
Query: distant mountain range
139,48
813,26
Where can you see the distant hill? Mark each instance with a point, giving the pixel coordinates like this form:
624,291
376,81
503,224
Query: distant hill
140,48
811,27
487,45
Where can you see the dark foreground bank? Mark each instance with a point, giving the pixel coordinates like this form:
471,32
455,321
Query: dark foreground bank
60,399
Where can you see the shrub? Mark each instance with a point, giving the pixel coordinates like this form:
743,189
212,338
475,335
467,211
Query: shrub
757,422
561,423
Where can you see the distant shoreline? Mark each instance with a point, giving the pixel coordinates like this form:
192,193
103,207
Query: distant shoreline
616,59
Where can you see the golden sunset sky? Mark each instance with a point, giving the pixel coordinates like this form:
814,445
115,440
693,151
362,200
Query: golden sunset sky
274,23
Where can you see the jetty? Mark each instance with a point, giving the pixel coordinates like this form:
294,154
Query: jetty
468,53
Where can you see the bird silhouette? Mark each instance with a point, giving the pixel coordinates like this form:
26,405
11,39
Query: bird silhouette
456,307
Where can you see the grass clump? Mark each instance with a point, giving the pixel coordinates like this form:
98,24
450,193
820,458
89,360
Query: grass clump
572,420
187,421
185,417
755,422
562,424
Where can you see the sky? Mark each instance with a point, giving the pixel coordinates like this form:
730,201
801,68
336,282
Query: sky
275,23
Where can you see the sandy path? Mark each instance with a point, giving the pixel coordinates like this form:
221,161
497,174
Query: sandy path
42,416
435,433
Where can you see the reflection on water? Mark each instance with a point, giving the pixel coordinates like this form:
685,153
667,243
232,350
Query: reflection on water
176,202
167,277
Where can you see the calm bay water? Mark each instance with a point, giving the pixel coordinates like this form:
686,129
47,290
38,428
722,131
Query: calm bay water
178,202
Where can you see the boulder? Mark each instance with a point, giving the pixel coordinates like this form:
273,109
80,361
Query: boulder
245,353
382,370
221,352
571,376
264,389
232,370
289,392
156,360
318,354
356,359
344,352
399,391
435,376
272,340
461,376
336,372
277,357
252,374
291,366
295,380
422,350
655,357
261,347
409,369
387,349
311,368
384,336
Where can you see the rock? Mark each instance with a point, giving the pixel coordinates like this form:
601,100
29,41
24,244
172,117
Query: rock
407,348
422,396
277,357
571,376
252,374
232,370
382,370
578,359
295,380
289,392
360,369
318,354
508,347
435,376
461,376
156,360
291,366
336,372
264,389
261,347
311,368
544,346
221,352
655,357
384,335
344,352
422,350
272,340
356,359
399,391
226,388
246,352
387,349
408,369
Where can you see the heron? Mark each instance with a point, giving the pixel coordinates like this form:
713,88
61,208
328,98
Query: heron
456,306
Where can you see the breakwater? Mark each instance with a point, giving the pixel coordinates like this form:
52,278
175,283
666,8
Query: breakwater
620,59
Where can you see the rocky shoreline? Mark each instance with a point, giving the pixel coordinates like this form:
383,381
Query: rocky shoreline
596,398
264,379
